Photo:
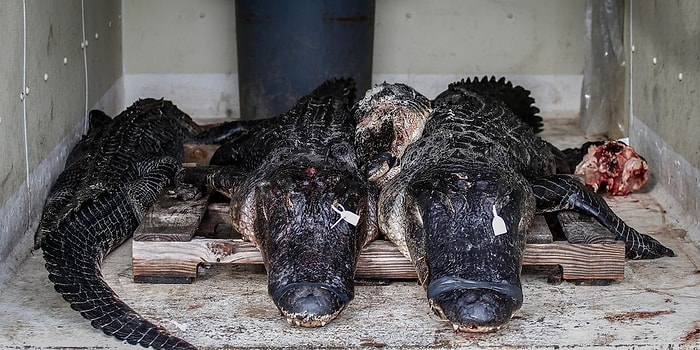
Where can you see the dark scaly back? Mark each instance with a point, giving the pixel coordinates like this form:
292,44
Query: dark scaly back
73,175
516,98
114,176
496,122
315,121
543,160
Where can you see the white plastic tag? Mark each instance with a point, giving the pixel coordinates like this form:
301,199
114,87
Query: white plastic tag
499,226
350,217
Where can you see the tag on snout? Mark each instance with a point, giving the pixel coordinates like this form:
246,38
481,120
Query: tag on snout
499,226
350,217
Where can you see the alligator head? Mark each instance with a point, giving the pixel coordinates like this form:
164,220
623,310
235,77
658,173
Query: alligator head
307,219
465,233
389,118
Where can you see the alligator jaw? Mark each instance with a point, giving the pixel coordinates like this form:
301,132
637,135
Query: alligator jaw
473,306
474,328
309,321
310,304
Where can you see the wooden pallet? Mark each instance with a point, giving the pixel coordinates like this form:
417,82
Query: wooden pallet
176,236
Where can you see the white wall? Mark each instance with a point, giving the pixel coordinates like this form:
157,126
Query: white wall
186,50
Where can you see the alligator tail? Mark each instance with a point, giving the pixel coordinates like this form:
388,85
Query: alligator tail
329,103
89,294
517,98
76,243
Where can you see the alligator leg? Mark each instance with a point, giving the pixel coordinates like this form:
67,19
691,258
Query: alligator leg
189,182
562,192
155,172
60,196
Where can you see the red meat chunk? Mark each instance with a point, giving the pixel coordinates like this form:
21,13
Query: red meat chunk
613,167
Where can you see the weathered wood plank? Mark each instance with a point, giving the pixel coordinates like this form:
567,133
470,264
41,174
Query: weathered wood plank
171,219
580,261
539,232
381,259
581,228
217,215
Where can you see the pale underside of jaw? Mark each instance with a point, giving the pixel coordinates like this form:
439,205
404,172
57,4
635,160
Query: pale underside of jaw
466,328
304,319
385,174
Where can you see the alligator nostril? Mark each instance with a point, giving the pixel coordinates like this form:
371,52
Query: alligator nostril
309,305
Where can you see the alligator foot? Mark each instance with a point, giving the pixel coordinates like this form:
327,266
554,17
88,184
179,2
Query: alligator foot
562,192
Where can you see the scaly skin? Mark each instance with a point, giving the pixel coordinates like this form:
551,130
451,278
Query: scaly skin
284,181
461,205
389,118
466,193
112,177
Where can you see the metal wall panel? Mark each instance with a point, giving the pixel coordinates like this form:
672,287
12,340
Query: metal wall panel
12,160
179,36
666,72
103,32
479,36
54,100
55,74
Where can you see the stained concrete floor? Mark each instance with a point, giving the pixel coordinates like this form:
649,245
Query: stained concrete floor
655,307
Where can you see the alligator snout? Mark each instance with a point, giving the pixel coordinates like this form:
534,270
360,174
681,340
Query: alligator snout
310,304
473,306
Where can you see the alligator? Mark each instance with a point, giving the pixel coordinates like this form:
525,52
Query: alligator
467,191
296,193
111,178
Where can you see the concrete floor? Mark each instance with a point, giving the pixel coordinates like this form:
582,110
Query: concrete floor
656,305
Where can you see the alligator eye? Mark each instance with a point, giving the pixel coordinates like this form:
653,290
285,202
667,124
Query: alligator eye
341,151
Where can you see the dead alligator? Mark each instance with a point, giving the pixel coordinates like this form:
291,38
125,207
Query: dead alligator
389,118
467,191
297,194
110,180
